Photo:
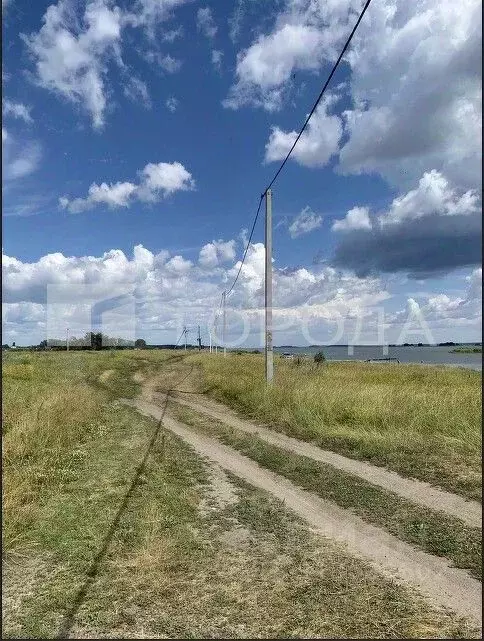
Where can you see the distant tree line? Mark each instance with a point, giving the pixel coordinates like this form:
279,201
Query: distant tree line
92,340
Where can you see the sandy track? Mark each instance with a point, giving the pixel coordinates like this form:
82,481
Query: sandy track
417,491
432,576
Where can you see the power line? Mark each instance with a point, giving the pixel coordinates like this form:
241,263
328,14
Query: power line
248,244
318,100
183,331
350,37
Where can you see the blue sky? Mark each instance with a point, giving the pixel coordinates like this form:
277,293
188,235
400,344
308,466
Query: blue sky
159,123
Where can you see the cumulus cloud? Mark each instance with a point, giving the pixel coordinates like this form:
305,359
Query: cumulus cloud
356,218
16,110
217,252
416,88
167,287
414,84
206,23
265,68
317,144
441,311
169,64
305,222
431,229
148,13
73,53
157,180
71,56
170,291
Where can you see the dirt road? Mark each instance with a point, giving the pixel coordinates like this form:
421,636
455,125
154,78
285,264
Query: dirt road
417,491
432,576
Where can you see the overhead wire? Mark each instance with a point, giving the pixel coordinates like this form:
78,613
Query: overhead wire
303,128
183,332
248,245
335,66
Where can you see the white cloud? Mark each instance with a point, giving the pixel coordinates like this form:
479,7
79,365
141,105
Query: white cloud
305,36
444,311
317,144
356,218
149,13
72,56
164,177
168,288
171,291
416,88
171,104
137,91
305,222
178,265
433,194
264,68
73,53
433,228
157,180
17,110
414,84
169,64
19,158
217,252
216,58
206,23
172,34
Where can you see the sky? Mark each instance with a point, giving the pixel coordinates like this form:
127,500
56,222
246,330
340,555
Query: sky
138,137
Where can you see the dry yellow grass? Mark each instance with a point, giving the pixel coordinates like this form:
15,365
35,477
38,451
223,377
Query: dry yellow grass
70,456
420,421
45,412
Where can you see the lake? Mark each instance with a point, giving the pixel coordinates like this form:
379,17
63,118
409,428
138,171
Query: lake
431,355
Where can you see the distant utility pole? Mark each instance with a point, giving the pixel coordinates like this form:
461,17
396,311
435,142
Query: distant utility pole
224,327
210,340
269,355
185,331
199,339
67,339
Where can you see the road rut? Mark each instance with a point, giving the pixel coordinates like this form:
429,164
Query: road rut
432,576
419,492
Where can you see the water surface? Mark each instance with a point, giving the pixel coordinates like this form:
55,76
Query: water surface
431,355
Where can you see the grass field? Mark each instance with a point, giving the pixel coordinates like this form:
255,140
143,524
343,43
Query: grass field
98,546
424,422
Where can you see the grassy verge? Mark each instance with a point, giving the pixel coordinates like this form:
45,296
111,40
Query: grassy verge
422,422
434,532
182,562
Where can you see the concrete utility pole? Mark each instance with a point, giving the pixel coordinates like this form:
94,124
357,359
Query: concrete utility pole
269,355
210,340
224,329
67,339
185,331
199,339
